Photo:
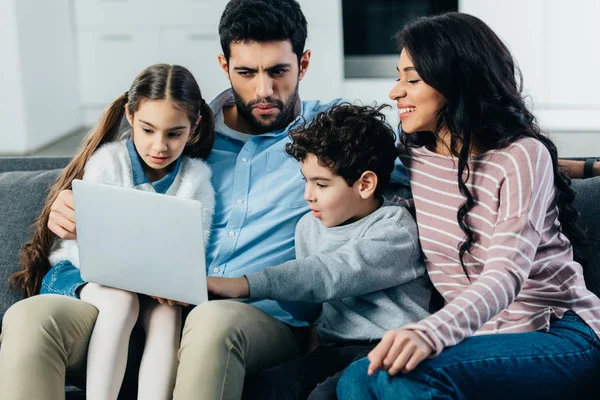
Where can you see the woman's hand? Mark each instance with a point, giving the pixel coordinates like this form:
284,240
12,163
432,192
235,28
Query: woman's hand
228,287
399,350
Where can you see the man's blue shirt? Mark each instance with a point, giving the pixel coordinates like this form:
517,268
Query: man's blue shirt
259,200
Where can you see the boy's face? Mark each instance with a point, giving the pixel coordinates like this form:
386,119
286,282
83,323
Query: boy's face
329,197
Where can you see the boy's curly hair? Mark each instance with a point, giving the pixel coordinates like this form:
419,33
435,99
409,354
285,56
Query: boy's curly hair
350,140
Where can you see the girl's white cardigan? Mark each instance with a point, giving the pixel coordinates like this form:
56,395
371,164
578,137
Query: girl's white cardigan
111,165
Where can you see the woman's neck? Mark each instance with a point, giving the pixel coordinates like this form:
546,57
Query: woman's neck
443,145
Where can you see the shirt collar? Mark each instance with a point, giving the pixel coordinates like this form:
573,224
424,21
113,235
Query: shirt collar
139,176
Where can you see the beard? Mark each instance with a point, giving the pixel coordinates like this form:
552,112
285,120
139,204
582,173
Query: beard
281,120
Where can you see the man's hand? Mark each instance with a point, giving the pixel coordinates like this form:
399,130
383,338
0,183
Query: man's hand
169,302
228,287
399,350
62,216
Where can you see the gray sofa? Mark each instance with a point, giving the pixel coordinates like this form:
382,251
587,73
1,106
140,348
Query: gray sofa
24,183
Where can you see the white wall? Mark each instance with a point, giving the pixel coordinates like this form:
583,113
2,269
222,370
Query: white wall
38,81
12,117
139,33
48,70
555,45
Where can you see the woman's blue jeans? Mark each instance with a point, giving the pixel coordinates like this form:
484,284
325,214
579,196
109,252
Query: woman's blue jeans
563,363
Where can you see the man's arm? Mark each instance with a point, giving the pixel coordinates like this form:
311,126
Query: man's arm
575,169
62,216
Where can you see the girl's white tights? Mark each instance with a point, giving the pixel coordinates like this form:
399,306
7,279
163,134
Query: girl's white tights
107,353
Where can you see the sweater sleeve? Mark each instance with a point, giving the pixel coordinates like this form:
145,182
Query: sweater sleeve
198,175
386,256
106,165
527,194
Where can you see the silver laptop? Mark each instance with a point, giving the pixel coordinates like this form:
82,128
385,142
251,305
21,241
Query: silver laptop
142,242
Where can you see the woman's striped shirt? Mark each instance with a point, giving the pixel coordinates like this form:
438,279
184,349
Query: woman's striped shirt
521,266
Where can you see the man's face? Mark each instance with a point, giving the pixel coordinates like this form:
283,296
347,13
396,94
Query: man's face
264,77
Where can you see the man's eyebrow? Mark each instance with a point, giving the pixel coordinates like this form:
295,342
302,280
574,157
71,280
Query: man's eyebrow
278,66
268,69
175,128
245,69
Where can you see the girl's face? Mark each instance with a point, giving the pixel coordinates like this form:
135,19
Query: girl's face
160,132
417,101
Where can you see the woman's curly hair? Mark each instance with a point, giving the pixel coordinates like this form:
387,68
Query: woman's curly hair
350,140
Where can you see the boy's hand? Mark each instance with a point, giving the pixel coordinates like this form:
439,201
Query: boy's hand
399,350
228,287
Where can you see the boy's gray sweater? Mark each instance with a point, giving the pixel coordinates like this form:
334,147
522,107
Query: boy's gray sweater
369,275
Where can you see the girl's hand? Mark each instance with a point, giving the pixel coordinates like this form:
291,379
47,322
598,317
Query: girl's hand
399,350
228,287
169,302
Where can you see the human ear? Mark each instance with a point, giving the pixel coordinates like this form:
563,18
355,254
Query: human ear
128,115
304,62
367,183
224,65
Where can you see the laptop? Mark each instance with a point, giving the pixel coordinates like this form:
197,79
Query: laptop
142,242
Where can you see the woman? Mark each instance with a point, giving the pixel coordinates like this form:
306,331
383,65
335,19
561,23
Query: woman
496,225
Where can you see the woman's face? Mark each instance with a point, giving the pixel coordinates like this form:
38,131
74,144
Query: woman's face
418,102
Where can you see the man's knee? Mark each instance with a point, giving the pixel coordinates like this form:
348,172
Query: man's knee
39,314
217,319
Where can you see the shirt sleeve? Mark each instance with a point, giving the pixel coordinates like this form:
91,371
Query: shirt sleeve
386,256
527,195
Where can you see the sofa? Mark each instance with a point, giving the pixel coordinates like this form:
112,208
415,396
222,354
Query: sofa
24,182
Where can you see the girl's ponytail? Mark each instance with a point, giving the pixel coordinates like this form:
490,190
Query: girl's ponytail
33,255
202,139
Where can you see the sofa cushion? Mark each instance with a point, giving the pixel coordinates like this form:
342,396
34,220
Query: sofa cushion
587,202
22,196
8,164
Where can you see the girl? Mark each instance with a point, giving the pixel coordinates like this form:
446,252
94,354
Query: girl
496,225
171,132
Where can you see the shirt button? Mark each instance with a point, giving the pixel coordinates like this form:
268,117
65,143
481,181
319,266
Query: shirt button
244,159
215,270
231,233
240,201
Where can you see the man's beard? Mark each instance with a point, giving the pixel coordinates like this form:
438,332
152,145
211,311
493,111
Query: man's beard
286,111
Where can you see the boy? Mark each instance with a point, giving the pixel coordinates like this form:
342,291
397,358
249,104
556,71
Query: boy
356,253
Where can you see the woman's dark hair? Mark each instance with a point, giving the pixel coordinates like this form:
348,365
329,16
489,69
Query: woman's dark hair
263,21
157,82
463,59
349,140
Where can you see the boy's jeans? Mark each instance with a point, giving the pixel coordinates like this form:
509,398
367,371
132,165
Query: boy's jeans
563,363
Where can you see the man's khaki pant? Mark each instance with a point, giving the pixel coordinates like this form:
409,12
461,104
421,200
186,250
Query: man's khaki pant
45,336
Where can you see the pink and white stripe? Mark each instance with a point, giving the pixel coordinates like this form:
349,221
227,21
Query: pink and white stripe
521,267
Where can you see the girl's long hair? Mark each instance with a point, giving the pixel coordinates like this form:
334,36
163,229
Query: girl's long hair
157,82
463,59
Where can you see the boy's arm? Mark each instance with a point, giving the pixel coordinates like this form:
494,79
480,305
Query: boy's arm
388,255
